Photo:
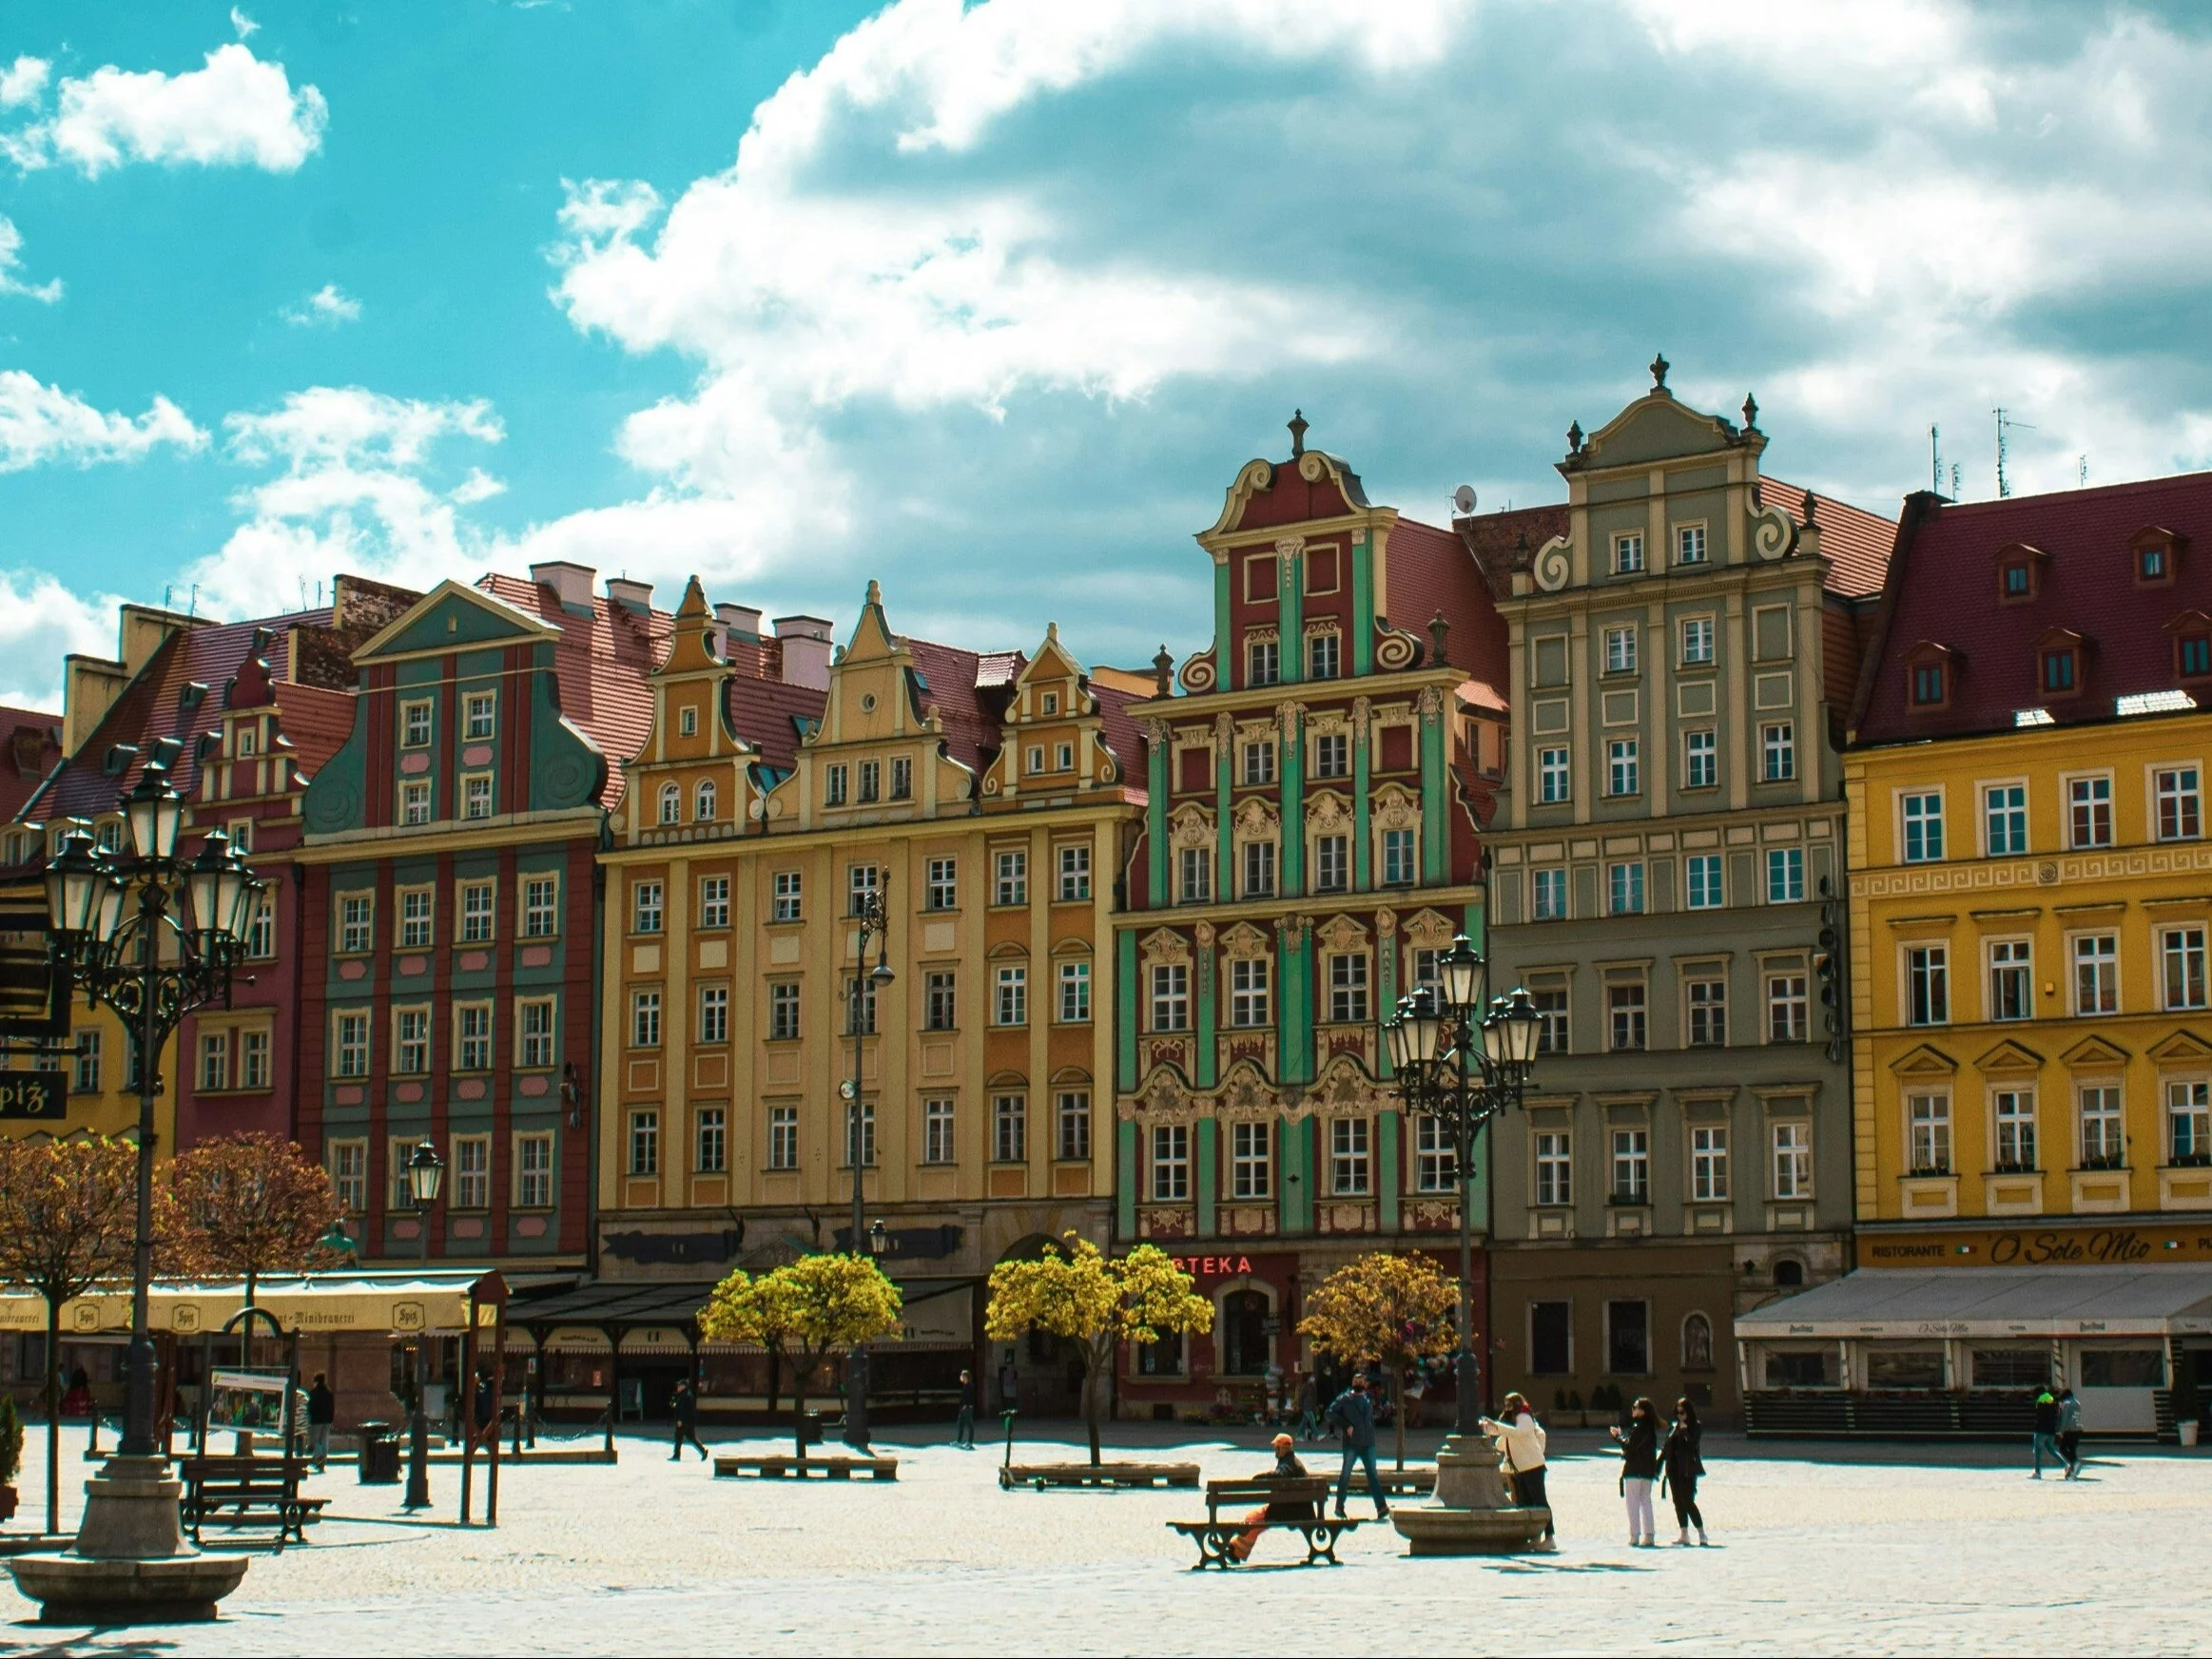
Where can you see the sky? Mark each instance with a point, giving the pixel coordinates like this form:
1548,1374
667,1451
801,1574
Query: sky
992,301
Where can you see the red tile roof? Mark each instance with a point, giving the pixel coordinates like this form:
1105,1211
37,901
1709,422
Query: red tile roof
1944,592
1855,543
34,742
968,690
1505,541
1121,733
767,714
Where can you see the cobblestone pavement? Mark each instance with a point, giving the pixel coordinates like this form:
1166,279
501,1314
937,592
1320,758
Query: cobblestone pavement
1830,1550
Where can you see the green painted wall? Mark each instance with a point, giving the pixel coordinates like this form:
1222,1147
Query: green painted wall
1125,1180
1290,608
1295,1210
1224,830
1125,995
1362,860
1435,794
1155,823
1363,604
1209,1175
1293,791
1209,1066
1387,1126
1224,640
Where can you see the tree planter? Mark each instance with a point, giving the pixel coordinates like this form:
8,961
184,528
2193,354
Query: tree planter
6,1503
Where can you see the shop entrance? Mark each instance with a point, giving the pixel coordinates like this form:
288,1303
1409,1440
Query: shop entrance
1244,1334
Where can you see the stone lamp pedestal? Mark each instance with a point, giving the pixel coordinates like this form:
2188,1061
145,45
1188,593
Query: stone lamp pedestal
131,1564
1472,1515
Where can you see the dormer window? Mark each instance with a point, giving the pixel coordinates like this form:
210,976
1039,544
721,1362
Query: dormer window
2019,572
2058,672
2016,581
2058,662
1051,703
1928,683
1929,669
2154,551
2192,633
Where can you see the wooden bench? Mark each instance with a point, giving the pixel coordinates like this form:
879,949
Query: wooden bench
1216,1533
1117,1475
773,1468
239,1492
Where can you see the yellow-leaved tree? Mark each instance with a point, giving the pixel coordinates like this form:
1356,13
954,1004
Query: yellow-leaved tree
801,1313
1073,1290
1384,1309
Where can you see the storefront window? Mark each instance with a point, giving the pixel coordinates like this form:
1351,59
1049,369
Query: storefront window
1162,1359
2123,1368
2011,1367
1904,1368
1801,1368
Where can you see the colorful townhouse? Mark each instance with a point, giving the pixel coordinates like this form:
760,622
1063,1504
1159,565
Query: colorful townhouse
2032,891
1667,851
1309,849
990,801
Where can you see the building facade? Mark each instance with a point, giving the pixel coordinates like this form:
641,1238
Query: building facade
1670,824
1309,849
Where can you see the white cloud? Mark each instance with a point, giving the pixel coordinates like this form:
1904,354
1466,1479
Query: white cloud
12,281
244,27
42,425
328,306
238,110
23,82
41,623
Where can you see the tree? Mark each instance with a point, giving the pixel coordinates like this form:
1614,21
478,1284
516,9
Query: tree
1395,1311
1075,1291
250,1204
69,1212
803,1312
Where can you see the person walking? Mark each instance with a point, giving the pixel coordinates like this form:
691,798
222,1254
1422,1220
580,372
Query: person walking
2045,1437
1308,1407
322,1413
964,1428
1680,1467
1521,1438
684,1407
1639,1469
2069,1431
1354,1413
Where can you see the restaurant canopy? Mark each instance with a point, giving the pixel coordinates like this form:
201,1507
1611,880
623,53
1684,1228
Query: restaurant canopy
399,1303
1892,1302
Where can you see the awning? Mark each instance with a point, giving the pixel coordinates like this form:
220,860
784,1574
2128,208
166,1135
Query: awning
384,1303
1894,1302
933,1313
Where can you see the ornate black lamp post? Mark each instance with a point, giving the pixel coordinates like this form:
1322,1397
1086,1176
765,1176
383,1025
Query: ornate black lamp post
871,913
425,1175
1462,1064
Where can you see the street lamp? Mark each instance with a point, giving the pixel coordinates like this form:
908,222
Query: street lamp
1462,1064
425,1175
871,910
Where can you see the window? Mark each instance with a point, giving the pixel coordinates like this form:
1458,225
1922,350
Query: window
214,1060
1551,1345
2182,966
940,1000
1928,1116
645,907
349,1174
2096,973
788,891
903,778
943,890
1793,1169
476,795
1170,997
2089,811
644,1019
1631,1166
1075,874
414,919
1550,891
645,1141
714,1014
1332,754
1551,776
2058,672
415,724
1263,663
1259,869
2175,790
2005,819
871,781
1700,759
672,803
2011,987
1035,757
541,907
1787,1012
833,785
1551,1018
1555,1181
1010,1128
86,1077
1072,1117
1171,1162
1075,1007
2101,1137
1703,870
1248,992
1398,870
704,801
860,1006
1785,874
536,1018
783,1137
1928,684
1625,889
1627,555
1348,989
1923,828
860,1125
533,1171
472,1036
1708,1164
411,1040
472,1168
1926,984
783,1013
1690,545
476,912
2195,656
1196,866
1707,1001
1622,774
1331,863
2189,1123
1348,1156
1259,763
1250,1163
480,708
936,1143
1777,752
1011,1007
397,1150
862,883
261,933
1696,633
1012,886
2015,1113
1620,650
1320,656
1435,1161
2017,581
715,901
1426,969
712,1137
414,802
1624,1011
350,1042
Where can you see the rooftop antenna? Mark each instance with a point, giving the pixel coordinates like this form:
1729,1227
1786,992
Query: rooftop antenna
1954,480
2081,478
2005,424
192,609
1934,460
1463,501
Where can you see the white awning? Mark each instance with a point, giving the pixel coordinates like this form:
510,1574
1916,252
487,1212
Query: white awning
1892,1302
376,1301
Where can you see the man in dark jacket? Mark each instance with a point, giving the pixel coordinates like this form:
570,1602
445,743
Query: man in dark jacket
322,1413
683,1406
964,1428
2045,1431
1354,1413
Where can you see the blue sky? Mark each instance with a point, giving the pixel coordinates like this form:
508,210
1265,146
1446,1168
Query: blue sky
992,301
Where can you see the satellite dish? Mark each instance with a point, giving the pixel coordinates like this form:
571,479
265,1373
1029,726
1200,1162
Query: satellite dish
1463,500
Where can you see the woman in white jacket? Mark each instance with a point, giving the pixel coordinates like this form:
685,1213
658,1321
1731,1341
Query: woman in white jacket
1521,1437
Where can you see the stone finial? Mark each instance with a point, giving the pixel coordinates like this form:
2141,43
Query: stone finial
1438,628
1658,372
1298,425
1163,671
1808,509
1574,437
875,591
1750,412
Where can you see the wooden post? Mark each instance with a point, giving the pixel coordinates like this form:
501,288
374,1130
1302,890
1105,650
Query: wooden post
498,1409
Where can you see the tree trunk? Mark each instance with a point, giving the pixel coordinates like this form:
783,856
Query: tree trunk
53,1416
1398,1417
1098,1354
799,1407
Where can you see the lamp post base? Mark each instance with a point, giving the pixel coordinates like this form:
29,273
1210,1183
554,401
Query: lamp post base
1472,1515
131,1564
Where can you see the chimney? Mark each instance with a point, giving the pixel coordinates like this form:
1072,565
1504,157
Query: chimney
741,621
571,584
807,649
634,597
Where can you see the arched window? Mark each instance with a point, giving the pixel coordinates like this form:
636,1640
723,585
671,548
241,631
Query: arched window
1244,1334
672,803
1697,1344
704,809
1789,1275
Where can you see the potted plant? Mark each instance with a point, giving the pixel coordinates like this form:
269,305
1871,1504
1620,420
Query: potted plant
2188,1405
10,1455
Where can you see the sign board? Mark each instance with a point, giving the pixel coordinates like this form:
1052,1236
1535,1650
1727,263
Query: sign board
2064,1246
36,1095
248,1400
28,1008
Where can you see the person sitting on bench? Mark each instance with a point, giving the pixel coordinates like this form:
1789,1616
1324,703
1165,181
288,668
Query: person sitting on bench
1287,1467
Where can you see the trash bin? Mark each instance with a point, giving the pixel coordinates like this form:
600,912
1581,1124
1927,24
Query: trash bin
379,1464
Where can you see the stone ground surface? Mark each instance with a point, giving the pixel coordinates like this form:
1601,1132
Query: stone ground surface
1817,1549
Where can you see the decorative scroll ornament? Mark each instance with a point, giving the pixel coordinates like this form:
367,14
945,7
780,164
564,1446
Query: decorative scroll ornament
1554,564
1199,675
1773,536
1394,650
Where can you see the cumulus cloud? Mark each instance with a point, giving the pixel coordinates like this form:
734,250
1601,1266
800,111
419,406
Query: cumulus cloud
41,623
12,280
328,306
236,110
243,25
42,425
23,82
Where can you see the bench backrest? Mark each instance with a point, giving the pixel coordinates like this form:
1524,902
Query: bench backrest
1268,1488
272,1470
